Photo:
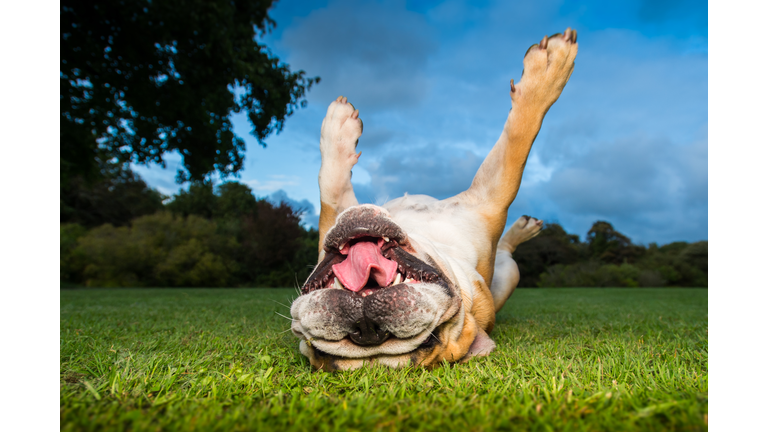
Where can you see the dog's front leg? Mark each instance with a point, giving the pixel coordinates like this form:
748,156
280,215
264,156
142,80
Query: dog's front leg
339,134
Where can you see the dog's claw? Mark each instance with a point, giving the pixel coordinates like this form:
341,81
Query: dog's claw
570,35
344,100
356,114
338,99
543,43
512,85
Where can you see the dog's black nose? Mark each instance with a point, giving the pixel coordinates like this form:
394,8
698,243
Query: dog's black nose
367,332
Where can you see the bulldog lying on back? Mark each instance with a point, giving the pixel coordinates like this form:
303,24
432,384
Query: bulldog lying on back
418,280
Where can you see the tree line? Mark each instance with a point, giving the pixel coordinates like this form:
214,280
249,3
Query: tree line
607,258
119,232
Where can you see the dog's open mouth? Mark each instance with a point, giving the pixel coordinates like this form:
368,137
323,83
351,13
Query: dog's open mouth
367,264
365,252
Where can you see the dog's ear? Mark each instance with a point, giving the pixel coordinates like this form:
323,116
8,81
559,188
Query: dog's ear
481,347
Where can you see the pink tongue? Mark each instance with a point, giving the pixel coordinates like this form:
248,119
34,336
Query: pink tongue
364,259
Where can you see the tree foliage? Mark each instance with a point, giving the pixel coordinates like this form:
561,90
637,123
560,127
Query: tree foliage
229,200
611,246
140,79
608,258
271,237
552,246
199,199
225,236
206,236
117,198
158,250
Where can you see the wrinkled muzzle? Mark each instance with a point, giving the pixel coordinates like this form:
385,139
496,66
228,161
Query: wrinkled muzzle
371,294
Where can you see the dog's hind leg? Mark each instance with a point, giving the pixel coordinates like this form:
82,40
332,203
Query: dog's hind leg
548,66
506,274
339,134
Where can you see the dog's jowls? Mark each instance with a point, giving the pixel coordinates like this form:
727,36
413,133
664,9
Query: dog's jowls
418,280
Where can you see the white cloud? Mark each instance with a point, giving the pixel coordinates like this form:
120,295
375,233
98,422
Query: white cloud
274,183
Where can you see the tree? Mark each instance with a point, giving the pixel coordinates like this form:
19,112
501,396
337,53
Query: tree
234,200
611,246
139,79
552,246
272,235
230,200
198,200
116,199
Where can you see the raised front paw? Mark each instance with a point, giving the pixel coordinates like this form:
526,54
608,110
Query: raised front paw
547,67
340,132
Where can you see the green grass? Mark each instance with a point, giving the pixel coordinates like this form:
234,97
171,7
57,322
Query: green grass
221,359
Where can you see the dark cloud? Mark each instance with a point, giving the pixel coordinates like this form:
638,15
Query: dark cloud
376,136
650,188
438,171
629,176
373,53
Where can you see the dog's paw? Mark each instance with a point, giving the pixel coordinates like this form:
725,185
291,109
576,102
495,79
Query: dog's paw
340,132
547,67
522,230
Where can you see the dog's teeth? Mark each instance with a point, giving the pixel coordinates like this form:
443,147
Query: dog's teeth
337,284
398,279
408,280
386,239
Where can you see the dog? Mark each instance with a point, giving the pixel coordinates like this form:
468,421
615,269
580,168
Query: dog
418,281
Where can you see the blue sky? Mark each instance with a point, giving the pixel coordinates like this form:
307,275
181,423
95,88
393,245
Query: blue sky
626,142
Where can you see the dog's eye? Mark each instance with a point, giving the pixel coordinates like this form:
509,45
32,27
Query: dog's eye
431,341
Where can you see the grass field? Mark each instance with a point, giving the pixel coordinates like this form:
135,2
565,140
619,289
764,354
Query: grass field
221,359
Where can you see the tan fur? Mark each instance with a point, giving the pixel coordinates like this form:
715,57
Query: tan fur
456,350
327,219
495,224
483,309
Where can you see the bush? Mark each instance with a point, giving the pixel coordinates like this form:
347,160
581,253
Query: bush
651,279
70,264
680,264
158,250
192,264
112,258
591,274
552,246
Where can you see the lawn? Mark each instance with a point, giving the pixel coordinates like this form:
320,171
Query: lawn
222,359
